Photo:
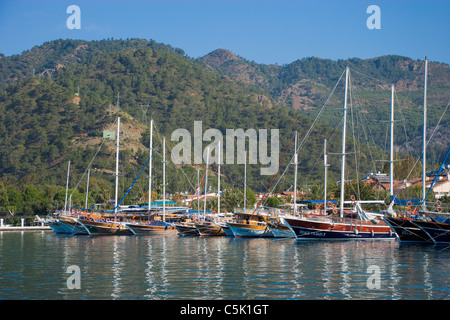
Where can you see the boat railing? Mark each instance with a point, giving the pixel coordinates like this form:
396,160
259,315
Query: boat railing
336,219
250,222
314,217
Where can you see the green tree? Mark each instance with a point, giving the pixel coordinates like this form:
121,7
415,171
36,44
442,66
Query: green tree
273,202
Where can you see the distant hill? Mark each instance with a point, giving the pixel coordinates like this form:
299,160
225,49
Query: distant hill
305,84
79,88
57,99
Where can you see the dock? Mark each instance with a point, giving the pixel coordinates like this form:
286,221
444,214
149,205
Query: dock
25,228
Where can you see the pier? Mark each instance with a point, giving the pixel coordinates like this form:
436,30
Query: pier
23,227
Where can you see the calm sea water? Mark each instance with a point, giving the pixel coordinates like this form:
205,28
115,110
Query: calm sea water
33,265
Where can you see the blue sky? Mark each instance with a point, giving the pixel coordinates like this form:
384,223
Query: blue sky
265,31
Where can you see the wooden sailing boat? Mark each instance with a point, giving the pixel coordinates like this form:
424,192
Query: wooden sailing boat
436,224
413,228
210,228
429,227
107,226
216,226
403,226
55,225
439,232
279,229
249,225
190,228
71,225
153,226
313,227
69,222
277,226
187,229
100,227
66,223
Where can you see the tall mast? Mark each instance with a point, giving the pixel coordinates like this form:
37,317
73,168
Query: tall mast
164,179
341,213
87,188
295,175
117,169
424,162
391,164
67,188
206,182
198,190
325,165
218,179
245,179
150,168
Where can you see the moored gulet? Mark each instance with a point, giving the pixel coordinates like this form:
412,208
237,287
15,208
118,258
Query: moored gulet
216,225
406,230
279,229
364,226
72,225
196,226
311,227
226,229
150,227
56,226
402,223
439,232
187,229
209,229
424,227
249,225
107,227
156,223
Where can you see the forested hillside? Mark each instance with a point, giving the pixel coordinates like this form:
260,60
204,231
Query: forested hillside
57,99
55,116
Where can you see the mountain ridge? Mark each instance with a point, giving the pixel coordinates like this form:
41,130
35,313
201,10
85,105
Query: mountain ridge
305,83
57,113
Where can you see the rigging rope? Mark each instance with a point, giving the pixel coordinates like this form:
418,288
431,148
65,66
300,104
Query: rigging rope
169,150
199,184
89,165
429,139
129,189
309,130
273,177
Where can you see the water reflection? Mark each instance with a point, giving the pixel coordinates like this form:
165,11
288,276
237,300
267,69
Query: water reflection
33,265
149,273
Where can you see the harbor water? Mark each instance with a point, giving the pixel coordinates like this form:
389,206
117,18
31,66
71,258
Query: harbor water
40,264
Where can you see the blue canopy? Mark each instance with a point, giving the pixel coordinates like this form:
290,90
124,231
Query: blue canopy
414,202
315,201
158,203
